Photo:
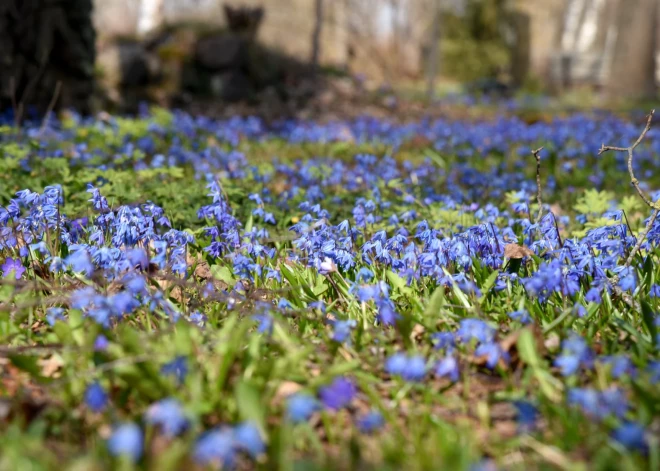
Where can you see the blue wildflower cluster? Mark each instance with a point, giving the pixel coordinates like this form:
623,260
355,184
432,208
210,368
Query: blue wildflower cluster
376,280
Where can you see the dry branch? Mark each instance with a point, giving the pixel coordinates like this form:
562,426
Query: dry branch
537,155
654,206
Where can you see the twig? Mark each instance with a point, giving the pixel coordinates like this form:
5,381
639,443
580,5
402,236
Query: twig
633,180
51,106
554,219
630,151
654,206
537,155
642,237
30,349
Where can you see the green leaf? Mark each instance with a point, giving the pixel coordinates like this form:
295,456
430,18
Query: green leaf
649,320
527,348
436,302
250,406
223,273
593,202
29,364
490,282
398,283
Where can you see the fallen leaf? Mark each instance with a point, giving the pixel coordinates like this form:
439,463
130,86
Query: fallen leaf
517,251
286,389
417,332
50,366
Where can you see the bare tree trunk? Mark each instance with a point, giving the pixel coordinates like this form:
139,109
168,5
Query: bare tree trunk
632,71
316,34
434,51
47,54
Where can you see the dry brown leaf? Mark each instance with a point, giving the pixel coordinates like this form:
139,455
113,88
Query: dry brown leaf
417,332
552,342
517,251
285,389
50,366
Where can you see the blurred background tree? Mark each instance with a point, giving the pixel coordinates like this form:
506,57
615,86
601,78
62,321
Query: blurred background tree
474,44
165,49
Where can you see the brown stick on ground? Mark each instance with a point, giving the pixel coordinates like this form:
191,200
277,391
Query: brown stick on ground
537,155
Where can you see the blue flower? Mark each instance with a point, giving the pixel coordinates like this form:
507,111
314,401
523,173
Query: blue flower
13,265
447,367
579,310
338,394
197,318
653,368
386,313
248,438
484,465
521,316
527,415
96,397
593,296
475,329
169,416
80,262
54,314
621,365
396,364
216,447
655,291
599,405
101,343
342,330
628,279
575,354
631,436
265,323
82,298
370,422
493,353
126,440
409,368
284,304
300,407
415,369
444,340
177,368
136,284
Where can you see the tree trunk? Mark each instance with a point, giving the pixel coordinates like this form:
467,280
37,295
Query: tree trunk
44,43
434,51
632,70
316,34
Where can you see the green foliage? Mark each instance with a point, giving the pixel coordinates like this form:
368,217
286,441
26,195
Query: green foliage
473,45
594,202
237,374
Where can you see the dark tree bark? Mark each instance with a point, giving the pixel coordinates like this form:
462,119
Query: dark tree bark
43,43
